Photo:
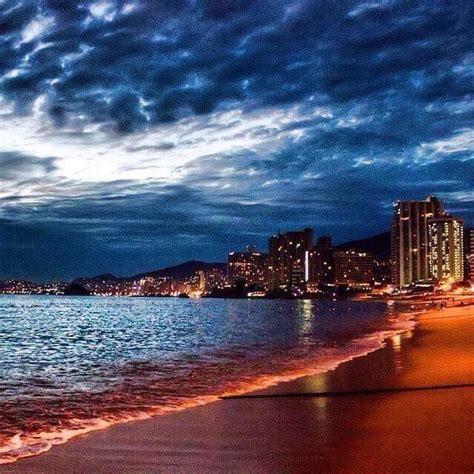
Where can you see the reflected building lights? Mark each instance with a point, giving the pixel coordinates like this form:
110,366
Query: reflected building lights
305,312
318,384
396,344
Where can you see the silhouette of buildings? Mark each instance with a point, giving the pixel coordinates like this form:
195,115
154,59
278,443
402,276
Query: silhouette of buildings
354,268
470,252
289,255
248,266
323,260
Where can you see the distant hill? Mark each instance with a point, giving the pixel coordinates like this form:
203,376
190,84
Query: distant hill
378,244
178,272
104,277
183,270
98,278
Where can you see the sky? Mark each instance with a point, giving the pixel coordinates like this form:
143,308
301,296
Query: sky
139,134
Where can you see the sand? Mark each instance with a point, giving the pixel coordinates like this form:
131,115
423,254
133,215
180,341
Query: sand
353,428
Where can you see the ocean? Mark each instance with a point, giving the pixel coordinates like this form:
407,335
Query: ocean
69,365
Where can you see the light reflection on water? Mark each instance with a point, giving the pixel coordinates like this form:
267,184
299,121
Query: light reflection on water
306,315
66,362
396,343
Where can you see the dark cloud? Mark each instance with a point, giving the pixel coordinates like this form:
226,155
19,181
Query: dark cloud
16,167
159,146
194,57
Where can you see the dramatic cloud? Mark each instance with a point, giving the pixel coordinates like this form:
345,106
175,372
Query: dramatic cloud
139,133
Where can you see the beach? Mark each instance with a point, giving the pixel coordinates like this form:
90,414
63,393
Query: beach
404,408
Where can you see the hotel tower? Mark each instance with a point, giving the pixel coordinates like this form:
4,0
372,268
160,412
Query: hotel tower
446,248
290,259
410,239
470,252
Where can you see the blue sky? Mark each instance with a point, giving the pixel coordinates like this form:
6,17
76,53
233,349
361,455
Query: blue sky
137,134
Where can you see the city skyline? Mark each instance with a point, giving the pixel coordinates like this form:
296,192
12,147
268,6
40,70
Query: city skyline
425,246
135,134
313,239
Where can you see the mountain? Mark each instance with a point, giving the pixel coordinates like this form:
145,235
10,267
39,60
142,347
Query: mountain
178,272
97,278
378,244
183,270
105,277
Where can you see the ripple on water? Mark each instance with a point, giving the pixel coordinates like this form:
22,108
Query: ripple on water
73,365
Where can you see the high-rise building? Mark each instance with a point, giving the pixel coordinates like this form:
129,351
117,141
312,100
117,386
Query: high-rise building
446,249
470,258
248,266
290,265
215,278
202,281
323,260
354,268
410,239
382,272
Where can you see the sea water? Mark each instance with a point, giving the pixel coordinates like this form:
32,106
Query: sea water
69,365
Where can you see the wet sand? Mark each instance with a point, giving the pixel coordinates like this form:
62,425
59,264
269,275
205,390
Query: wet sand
366,421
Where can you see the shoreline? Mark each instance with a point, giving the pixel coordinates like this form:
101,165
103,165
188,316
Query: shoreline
54,460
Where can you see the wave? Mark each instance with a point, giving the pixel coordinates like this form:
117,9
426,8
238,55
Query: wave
32,442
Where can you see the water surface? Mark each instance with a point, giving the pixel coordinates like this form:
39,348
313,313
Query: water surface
72,364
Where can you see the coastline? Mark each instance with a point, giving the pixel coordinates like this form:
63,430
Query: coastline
222,435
